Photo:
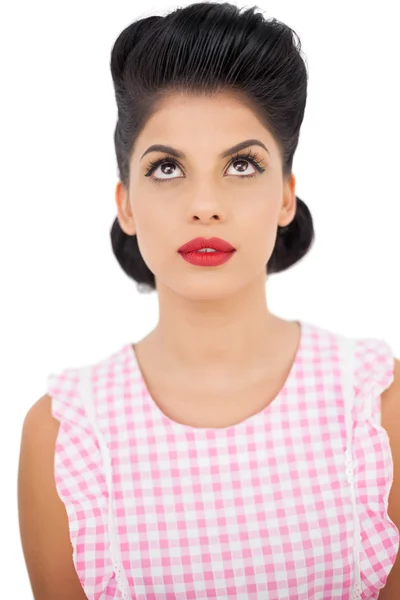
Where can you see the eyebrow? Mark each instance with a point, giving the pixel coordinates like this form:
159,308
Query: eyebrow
228,152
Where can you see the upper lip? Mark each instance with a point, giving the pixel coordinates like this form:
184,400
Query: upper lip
201,242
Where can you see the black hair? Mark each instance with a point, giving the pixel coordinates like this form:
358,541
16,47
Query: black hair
207,48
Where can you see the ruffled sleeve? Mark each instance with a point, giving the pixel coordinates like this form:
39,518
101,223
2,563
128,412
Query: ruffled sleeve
81,485
373,465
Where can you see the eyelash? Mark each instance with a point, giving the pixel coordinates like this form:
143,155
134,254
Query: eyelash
249,156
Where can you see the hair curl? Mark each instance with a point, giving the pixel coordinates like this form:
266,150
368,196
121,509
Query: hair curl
208,48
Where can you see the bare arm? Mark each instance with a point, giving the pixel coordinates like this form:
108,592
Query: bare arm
391,422
43,518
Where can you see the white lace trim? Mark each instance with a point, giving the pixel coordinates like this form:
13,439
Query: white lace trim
85,388
347,368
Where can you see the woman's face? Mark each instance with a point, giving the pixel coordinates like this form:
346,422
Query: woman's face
202,193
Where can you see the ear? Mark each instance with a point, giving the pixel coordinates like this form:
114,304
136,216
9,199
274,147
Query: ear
125,215
288,210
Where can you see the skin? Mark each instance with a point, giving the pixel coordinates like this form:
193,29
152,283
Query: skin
216,320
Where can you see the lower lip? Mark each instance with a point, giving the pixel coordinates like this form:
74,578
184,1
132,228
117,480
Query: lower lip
207,259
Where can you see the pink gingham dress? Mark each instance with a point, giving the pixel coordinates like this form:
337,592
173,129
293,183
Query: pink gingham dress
289,504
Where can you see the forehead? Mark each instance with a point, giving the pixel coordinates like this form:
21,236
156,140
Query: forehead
216,121
204,106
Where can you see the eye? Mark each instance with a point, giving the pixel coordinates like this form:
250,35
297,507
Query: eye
238,162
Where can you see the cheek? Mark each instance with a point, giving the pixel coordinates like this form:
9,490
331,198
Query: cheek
259,219
257,231
153,232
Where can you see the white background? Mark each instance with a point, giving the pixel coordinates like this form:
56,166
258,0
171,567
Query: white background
65,301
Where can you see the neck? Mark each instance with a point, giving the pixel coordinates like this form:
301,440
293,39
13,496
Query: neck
220,335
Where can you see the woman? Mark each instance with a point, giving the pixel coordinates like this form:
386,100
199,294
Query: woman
216,456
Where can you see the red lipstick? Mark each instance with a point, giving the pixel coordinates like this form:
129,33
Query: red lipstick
201,242
204,252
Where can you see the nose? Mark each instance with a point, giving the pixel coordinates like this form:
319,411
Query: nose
206,207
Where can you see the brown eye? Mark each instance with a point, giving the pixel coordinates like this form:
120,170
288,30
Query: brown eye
243,168
165,169
166,166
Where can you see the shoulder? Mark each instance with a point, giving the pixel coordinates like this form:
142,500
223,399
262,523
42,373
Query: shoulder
40,428
390,403
40,415
391,399
42,516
